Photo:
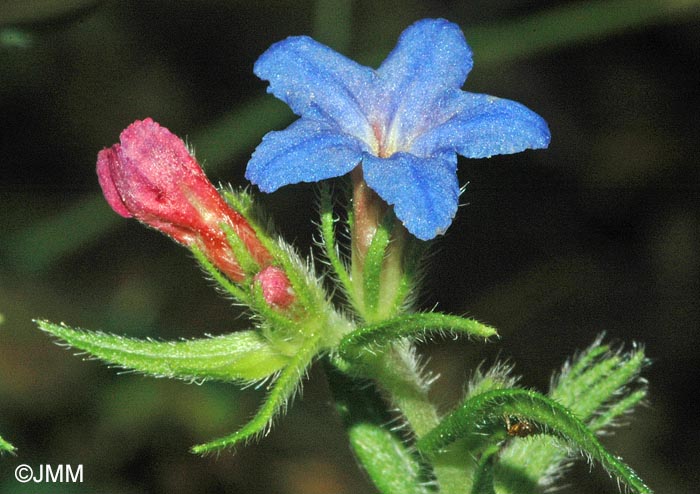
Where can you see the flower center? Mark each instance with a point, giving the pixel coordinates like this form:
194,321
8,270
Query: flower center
382,148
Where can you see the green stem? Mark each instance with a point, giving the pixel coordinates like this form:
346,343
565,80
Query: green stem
398,373
390,463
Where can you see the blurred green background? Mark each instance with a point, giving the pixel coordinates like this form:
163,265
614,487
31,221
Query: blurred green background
599,233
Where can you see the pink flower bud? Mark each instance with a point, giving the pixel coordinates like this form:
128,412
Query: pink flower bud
276,288
151,176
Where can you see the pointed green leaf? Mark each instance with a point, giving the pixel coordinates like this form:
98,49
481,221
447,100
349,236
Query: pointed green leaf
413,326
6,447
600,378
599,386
243,356
484,414
615,410
281,391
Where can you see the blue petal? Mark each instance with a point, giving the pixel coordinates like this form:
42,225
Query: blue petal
431,57
306,151
479,126
423,191
319,83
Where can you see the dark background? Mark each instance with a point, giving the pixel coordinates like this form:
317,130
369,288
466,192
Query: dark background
600,233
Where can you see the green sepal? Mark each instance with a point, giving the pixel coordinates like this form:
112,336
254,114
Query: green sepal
617,409
273,318
373,266
329,244
242,202
243,296
413,326
484,414
281,391
6,447
307,292
388,462
244,356
412,258
240,251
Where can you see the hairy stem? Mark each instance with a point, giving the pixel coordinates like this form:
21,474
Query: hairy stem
400,376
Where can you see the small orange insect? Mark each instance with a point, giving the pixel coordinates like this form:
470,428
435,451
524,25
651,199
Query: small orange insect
521,428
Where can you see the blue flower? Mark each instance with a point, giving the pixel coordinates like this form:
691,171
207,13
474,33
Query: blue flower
404,123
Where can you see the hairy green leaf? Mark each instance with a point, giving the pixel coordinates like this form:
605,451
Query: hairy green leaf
599,386
244,356
6,447
485,413
281,391
597,377
414,326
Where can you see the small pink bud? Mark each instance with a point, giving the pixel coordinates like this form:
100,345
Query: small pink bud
151,176
276,287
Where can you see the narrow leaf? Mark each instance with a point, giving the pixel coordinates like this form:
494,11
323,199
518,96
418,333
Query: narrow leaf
413,255
388,462
242,356
484,414
281,391
413,325
617,409
599,386
599,376
6,447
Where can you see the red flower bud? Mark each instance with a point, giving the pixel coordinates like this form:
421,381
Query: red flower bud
151,176
276,288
